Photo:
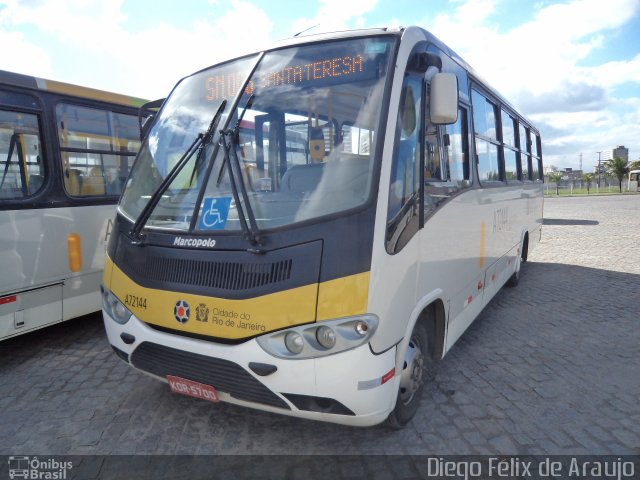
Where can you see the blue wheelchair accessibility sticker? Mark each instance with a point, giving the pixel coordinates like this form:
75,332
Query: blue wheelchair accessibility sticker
215,212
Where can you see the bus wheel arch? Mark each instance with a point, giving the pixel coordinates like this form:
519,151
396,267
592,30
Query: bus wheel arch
525,247
434,318
425,344
523,253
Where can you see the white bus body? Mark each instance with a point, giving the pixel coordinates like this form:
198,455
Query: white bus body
38,287
64,153
398,278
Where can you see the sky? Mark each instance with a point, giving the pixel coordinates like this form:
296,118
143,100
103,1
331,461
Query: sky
571,66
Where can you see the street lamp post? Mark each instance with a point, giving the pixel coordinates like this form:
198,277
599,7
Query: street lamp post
599,153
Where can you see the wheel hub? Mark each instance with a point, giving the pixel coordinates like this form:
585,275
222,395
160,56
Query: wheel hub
412,372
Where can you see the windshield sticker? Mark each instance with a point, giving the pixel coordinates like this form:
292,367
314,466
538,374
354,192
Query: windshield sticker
215,212
265,184
376,47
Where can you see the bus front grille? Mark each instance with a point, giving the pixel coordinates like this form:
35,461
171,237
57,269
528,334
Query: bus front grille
225,376
203,273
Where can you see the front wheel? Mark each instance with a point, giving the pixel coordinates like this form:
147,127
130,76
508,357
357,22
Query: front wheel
412,375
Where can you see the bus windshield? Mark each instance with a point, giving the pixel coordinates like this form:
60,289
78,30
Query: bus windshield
302,139
186,114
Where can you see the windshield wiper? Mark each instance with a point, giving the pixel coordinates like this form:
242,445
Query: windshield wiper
199,144
252,232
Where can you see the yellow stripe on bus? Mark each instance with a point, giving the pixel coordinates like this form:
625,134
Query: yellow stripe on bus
216,317
78,91
235,319
106,273
343,297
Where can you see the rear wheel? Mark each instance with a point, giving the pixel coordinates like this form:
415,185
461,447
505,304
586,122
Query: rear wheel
515,278
522,258
412,377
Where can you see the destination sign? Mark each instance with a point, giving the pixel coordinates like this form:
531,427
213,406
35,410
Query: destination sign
320,72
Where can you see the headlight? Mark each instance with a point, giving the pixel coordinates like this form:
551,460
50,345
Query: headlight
114,307
326,337
320,339
294,342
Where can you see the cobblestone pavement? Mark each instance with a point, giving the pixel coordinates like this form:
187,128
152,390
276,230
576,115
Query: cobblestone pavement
550,367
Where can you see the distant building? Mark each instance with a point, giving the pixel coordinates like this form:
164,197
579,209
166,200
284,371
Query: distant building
619,152
549,169
571,174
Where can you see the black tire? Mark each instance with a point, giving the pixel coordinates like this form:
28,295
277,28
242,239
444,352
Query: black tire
515,278
412,378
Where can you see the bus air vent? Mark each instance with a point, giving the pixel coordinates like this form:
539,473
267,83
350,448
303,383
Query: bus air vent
318,404
222,374
222,275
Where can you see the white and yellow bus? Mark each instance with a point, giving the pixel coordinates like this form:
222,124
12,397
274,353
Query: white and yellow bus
65,153
320,278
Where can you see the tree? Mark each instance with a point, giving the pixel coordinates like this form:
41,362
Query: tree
588,178
617,167
634,165
555,177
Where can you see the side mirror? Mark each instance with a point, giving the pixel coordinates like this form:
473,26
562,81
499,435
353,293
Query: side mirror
444,99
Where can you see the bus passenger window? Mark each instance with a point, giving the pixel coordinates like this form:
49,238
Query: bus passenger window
97,148
22,172
488,170
484,122
512,167
536,161
446,159
525,160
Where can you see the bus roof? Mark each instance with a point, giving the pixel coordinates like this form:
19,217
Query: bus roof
36,83
398,31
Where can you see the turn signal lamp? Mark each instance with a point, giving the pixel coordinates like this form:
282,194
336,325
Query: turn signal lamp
74,249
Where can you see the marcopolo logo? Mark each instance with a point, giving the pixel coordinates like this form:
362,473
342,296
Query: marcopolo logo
181,311
34,468
194,242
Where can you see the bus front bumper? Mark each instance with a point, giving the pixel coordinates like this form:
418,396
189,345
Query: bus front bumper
355,387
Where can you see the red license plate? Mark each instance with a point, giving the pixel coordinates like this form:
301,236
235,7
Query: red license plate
192,389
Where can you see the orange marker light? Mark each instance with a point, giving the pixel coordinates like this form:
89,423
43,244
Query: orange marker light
74,247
